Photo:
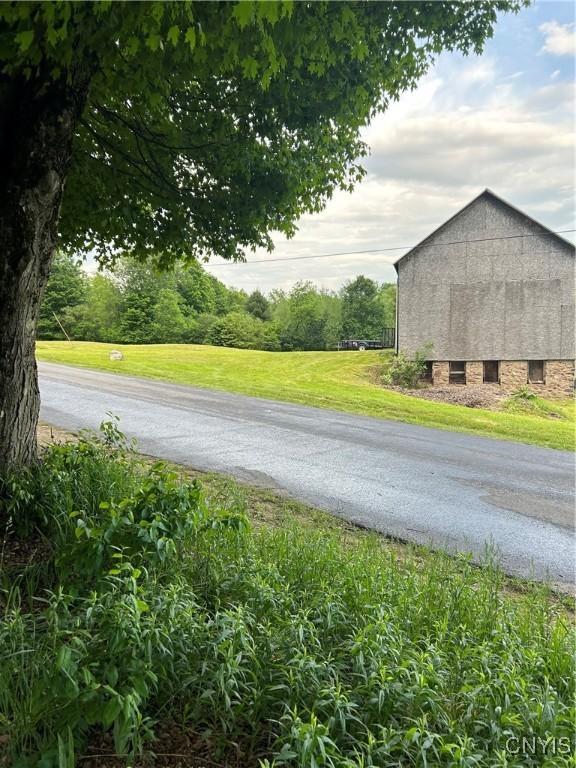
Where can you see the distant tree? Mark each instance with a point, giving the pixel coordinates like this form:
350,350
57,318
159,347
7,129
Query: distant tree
236,300
196,288
104,303
169,323
302,319
136,322
362,315
279,307
98,317
227,299
270,338
387,300
258,305
66,288
140,287
332,311
200,328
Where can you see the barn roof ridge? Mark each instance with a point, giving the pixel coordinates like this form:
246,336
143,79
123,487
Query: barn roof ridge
485,193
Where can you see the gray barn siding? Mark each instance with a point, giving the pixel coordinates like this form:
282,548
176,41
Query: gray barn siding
510,299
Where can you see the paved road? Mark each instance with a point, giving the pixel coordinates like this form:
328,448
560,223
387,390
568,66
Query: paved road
425,485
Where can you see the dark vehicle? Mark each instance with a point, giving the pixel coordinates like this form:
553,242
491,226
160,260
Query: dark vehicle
360,344
386,342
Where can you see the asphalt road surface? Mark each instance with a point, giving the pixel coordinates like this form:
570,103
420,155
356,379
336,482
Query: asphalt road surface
430,486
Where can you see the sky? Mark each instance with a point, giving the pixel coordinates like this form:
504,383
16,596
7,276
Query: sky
503,120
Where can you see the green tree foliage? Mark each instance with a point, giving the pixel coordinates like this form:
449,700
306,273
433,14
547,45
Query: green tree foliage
200,327
66,288
197,288
258,305
362,315
332,312
103,303
173,165
97,318
140,289
227,299
387,300
169,324
270,337
302,318
139,305
243,331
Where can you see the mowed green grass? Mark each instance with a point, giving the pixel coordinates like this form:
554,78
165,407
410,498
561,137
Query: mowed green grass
344,381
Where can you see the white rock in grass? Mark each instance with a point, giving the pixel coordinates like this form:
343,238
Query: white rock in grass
115,354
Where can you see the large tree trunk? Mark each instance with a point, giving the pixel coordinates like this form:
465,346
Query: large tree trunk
37,123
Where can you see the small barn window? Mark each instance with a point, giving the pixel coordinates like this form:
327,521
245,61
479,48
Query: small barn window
427,372
536,371
457,372
491,372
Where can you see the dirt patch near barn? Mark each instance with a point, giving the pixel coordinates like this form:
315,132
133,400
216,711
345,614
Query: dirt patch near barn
481,396
469,396
492,398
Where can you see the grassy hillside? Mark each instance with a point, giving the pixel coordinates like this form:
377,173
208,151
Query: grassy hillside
340,380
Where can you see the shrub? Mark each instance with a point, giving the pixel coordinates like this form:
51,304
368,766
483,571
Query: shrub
236,329
200,328
404,371
269,337
96,651
243,331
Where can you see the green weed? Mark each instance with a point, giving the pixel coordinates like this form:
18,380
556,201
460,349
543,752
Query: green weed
276,646
524,401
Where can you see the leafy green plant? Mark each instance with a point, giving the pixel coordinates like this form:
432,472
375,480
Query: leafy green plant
293,645
406,371
523,393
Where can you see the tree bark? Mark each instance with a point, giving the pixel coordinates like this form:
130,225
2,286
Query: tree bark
37,124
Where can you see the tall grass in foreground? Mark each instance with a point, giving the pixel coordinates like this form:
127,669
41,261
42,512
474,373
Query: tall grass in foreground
278,647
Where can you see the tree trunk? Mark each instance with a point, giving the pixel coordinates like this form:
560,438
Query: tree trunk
37,123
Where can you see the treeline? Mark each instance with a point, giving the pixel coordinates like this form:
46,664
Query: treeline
137,305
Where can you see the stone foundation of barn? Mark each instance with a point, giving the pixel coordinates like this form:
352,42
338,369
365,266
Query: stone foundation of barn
558,379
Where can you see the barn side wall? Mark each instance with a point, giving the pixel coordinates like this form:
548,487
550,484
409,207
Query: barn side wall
509,299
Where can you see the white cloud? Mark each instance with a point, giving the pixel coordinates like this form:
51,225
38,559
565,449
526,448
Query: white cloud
481,71
560,39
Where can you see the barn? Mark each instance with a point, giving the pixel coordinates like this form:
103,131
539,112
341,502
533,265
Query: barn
492,291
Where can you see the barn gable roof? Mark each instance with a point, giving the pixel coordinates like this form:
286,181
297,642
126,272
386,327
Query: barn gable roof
487,193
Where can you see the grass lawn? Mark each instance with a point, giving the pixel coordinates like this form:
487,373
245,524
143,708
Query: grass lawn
340,380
